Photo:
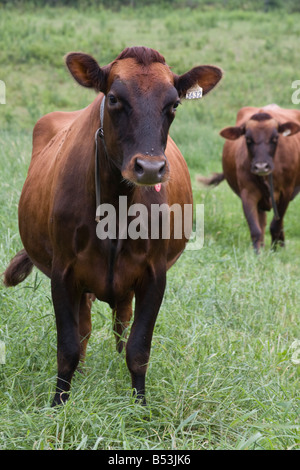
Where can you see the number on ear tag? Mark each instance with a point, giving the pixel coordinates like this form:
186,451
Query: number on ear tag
194,93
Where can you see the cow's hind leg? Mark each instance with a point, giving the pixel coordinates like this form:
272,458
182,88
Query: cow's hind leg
122,314
262,217
66,301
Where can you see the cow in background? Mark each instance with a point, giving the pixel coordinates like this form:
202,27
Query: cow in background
261,163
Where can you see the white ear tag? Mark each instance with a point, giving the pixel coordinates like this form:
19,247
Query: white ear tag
286,133
194,93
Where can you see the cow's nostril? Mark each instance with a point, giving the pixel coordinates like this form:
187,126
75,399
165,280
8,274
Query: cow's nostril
138,167
162,169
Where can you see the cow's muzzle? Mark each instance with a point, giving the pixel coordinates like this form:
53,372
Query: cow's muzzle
147,170
261,168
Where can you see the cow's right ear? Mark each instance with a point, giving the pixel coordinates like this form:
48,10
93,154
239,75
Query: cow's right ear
232,133
86,71
204,76
288,128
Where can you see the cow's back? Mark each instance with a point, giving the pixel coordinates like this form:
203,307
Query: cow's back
280,114
49,127
49,136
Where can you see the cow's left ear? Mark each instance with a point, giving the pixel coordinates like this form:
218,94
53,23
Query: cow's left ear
86,71
232,133
288,128
204,76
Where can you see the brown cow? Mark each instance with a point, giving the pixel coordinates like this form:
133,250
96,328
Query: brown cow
261,163
136,105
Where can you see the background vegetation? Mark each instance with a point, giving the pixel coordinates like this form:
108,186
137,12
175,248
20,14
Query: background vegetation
224,369
254,5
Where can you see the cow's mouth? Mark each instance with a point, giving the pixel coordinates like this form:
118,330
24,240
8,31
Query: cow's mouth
262,173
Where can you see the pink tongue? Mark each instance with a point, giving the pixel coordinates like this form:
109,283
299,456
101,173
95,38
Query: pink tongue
157,187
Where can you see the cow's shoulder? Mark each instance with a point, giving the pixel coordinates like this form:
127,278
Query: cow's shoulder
49,126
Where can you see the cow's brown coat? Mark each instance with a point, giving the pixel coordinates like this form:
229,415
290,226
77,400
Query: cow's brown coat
57,206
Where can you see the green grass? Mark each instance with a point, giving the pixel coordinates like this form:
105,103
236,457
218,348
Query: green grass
222,373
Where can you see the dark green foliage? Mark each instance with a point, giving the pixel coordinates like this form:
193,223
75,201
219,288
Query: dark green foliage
255,5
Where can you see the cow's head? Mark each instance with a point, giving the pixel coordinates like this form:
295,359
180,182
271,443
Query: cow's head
142,95
261,134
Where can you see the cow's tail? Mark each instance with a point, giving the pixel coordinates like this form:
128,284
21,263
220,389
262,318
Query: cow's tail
18,269
214,180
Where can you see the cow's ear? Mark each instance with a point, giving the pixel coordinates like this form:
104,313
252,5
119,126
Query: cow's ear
288,128
232,133
86,71
203,76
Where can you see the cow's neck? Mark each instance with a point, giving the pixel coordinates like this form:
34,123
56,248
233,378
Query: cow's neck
109,183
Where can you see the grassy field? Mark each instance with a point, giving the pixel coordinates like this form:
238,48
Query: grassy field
224,368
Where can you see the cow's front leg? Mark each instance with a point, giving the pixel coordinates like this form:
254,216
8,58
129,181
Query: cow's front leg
66,301
252,216
149,294
276,227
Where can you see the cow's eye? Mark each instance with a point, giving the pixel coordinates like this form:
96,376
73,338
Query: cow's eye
274,139
112,99
176,104
249,140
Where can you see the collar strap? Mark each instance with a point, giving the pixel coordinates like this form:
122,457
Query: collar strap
99,133
102,117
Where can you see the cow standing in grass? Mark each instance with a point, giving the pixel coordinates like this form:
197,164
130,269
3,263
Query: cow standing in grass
131,115
261,162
